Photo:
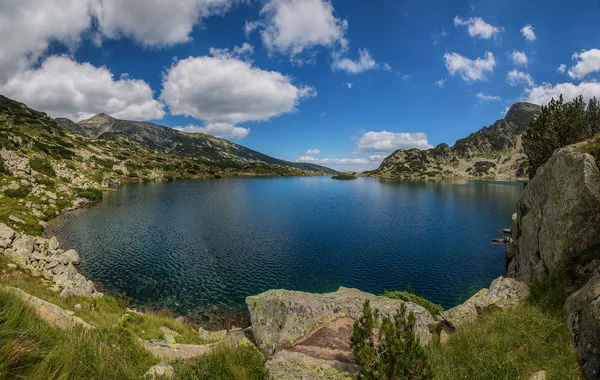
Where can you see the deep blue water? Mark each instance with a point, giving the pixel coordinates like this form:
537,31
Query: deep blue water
193,246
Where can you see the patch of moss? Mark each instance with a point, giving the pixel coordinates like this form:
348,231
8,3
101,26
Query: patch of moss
408,296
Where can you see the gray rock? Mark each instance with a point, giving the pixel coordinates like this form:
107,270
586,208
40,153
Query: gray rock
15,219
72,256
558,214
504,293
106,180
6,232
539,375
160,371
22,249
582,310
53,244
281,317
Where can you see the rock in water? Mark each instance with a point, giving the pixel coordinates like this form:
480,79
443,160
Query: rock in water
583,319
558,215
281,318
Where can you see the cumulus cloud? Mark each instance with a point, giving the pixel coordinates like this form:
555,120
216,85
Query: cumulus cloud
440,83
365,62
243,51
312,152
293,27
477,27
335,161
387,67
484,97
588,63
387,142
224,130
65,88
562,69
154,22
516,77
519,58
468,69
543,94
29,26
349,84
223,91
528,33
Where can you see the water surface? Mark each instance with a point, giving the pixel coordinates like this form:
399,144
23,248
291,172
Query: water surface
194,246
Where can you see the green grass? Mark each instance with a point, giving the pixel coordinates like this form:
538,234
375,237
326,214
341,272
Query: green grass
225,363
29,348
42,165
431,307
593,148
511,344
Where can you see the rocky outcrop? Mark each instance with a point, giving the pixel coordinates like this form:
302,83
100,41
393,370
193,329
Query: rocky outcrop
303,332
582,310
281,318
51,313
504,293
43,258
558,215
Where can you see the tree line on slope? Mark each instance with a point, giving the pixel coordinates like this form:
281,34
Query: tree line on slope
560,124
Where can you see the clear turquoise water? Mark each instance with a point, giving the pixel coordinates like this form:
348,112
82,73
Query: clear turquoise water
198,246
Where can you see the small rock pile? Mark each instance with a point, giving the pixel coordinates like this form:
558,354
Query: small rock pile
44,259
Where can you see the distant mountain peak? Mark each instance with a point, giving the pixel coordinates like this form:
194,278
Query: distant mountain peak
99,118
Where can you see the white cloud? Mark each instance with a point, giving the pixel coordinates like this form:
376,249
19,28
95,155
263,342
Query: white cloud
243,51
477,27
154,22
440,83
65,88
335,161
349,84
387,67
28,27
365,62
562,68
588,63
312,152
519,58
294,27
543,94
387,142
470,70
516,77
528,33
229,90
224,130
484,97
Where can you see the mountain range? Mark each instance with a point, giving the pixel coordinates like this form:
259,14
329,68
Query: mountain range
492,152
207,148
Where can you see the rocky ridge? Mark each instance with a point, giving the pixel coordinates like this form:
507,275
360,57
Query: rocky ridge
492,152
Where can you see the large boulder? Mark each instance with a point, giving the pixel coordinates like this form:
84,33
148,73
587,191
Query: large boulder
558,215
6,233
22,249
582,310
283,318
504,293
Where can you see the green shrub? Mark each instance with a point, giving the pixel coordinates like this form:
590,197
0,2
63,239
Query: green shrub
90,194
244,362
395,353
45,181
560,124
21,192
409,296
42,165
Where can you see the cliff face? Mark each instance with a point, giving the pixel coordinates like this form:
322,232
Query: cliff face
494,151
558,223
558,214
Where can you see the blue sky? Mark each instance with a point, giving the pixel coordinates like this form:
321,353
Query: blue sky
341,83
